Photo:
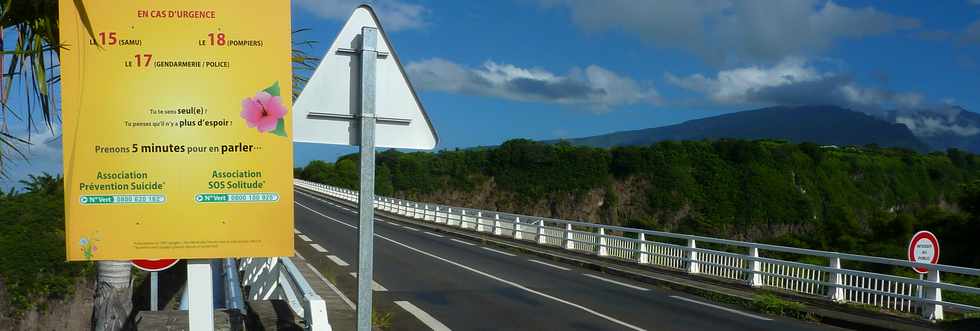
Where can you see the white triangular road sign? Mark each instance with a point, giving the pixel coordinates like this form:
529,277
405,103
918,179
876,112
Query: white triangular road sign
326,112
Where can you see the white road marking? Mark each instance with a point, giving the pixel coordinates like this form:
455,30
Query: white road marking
337,260
722,308
333,288
299,255
297,231
463,242
392,223
426,319
498,252
318,248
374,285
411,228
305,238
616,282
550,265
433,234
484,274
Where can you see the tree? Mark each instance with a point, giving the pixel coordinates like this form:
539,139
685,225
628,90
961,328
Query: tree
32,65
45,183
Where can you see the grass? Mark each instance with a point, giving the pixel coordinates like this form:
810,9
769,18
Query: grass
773,305
381,319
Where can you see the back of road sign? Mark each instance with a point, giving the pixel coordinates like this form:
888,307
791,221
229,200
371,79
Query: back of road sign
327,111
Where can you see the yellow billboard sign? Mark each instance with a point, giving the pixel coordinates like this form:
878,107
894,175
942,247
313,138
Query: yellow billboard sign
176,129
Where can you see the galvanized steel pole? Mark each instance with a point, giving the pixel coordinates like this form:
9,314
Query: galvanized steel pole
365,248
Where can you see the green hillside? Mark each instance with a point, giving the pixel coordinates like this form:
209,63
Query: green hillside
864,200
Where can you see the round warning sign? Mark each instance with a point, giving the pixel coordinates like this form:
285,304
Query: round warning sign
154,265
924,248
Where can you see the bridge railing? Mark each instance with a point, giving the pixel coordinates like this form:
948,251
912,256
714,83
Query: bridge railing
841,277
278,278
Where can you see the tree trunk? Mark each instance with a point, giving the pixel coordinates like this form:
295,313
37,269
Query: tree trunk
113,296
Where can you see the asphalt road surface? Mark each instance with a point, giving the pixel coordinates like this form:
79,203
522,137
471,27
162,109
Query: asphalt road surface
433,280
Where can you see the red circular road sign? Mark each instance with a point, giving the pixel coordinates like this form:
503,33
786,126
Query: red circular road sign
924,248
154,265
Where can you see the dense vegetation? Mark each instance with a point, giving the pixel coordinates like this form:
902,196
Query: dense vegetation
32,239
866,200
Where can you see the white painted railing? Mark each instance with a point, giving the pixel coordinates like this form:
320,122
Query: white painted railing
278,278
732,260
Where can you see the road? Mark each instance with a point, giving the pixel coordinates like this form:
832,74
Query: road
432,280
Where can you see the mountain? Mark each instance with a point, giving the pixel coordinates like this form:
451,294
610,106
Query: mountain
825,125
942,128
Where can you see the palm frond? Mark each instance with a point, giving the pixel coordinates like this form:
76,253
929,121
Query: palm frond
303,63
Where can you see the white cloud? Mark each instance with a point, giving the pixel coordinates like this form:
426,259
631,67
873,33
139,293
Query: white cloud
932,126
43,154
735,32
792,81
594,87
394,14
738,85
45,146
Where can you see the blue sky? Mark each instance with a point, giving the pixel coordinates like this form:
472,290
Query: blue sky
488,71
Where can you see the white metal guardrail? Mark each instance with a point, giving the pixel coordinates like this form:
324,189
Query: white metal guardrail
278,278
740,261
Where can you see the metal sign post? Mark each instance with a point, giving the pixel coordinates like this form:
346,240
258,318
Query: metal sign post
154,281
365,230
154,266
360,95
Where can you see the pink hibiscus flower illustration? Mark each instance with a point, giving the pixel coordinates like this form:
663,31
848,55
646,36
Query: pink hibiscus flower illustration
263,111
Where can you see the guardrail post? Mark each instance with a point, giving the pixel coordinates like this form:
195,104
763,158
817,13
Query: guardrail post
644,258
602,242
836,292
462,218
479,219
517,228
693,267
496,225
541,238
932,311
315,313
755,277
568,237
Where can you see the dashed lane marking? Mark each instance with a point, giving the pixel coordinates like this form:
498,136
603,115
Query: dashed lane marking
550,265
426,319
318,248
607,280
337,260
